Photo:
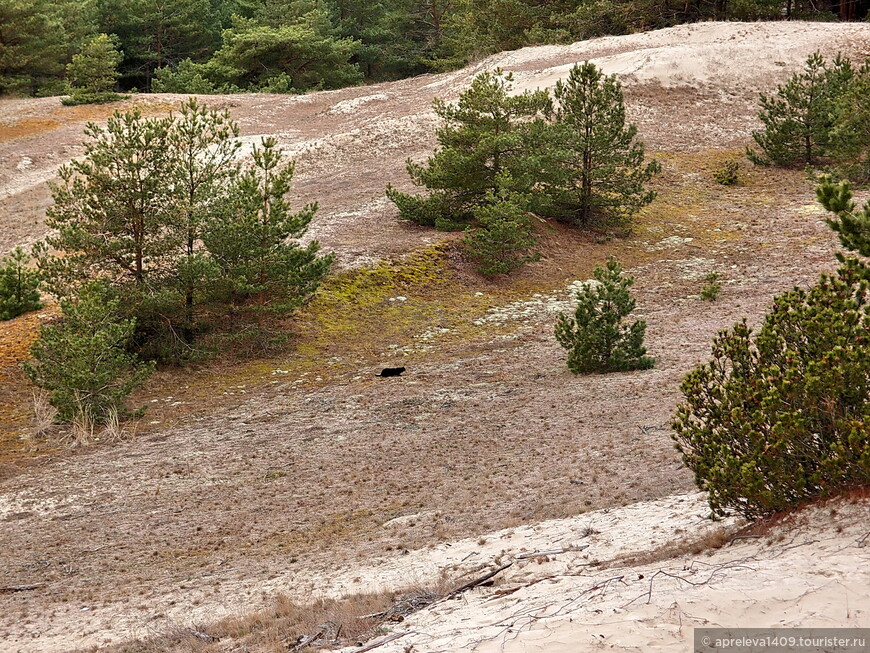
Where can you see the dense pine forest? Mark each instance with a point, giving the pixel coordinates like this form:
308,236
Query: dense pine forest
292,46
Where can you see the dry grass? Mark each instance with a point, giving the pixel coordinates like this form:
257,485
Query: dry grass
706,543
293,626
81,432
43,413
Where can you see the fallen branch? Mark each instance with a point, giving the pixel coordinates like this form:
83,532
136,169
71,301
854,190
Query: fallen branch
20,588
201,635
552,552
478,581
381,642
743,537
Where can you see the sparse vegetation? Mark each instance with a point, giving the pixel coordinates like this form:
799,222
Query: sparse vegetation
728,174
711,288
596,337
256,476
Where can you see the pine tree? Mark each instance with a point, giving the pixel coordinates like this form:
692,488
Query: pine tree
798,118
83,360
93,73
159,33
850,132
204,148
596,337
112,210
262,272
851,224
32,47
782,418
503,237
19,286
487,134
302,55
778,419
595,170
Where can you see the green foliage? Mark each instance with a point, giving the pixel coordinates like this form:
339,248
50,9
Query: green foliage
161,210
798,118
728,174
112,209
503,237
711,288
19,286
186,77
784,418
93,72
774,421
159,33
301,56
262,272
310,44
32,47
595,170
850,133
597,337
486,137
82,360
500,159
851,224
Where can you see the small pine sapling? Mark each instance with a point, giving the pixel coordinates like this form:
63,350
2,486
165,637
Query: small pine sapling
83,360
597,337
93,72
711,288
19,286
728,174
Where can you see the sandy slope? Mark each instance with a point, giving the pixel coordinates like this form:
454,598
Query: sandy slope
811,571
208,513
689,87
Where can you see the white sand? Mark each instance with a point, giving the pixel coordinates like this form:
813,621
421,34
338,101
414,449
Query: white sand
811,573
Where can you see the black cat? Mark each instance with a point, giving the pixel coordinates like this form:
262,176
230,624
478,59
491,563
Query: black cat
391,371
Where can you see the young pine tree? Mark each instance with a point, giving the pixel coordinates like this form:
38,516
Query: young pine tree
798,118
19,286
82,360
112,211
264,272
93,72
850,132
488,134
784,417
597,337
204,146
775,420
851,224
503,237
595,170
